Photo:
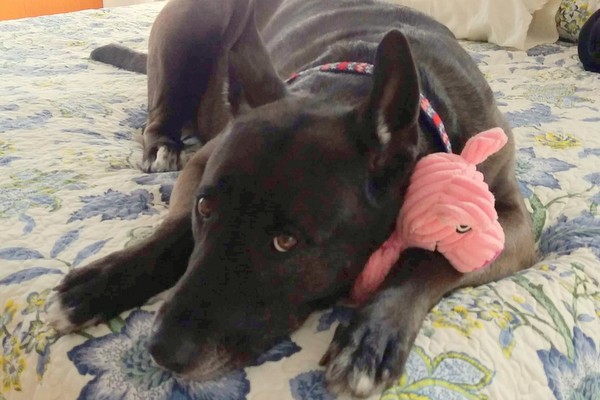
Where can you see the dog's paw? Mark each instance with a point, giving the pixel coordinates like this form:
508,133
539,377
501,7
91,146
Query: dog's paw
101,290
78,300
365,356
165,159
63,318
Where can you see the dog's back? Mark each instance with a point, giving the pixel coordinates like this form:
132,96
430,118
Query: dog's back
300,32
306,33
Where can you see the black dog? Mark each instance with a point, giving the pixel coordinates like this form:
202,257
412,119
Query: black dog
277,214
588,45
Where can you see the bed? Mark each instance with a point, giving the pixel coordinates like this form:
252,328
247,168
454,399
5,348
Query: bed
71,191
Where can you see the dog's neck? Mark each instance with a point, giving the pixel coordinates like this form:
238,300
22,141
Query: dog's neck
430,121
350,89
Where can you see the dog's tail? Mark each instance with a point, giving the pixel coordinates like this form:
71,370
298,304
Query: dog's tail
121,57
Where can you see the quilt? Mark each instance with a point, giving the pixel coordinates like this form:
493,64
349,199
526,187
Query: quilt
71,191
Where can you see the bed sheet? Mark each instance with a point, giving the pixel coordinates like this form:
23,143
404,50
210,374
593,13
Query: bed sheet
71,192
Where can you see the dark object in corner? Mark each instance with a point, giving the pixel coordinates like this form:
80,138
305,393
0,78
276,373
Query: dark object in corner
589,43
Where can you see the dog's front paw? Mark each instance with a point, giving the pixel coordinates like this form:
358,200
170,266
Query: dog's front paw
163,159
364,358
75,303
367,354
101,290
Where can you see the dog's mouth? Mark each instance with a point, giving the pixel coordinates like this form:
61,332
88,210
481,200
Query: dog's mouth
213,363
211,373
207,349
209,369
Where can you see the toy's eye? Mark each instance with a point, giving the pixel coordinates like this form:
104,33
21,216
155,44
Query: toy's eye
463,228
205,207
284,242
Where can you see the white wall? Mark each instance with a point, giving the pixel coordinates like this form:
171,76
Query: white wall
117,3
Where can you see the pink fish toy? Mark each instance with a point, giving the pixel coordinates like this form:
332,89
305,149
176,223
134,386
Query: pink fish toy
447,208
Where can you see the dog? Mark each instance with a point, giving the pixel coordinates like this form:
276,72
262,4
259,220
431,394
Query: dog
296,183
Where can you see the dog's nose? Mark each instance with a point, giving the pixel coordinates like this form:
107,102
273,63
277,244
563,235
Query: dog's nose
169,354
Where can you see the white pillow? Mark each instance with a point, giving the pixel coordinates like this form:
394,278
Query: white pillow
521,24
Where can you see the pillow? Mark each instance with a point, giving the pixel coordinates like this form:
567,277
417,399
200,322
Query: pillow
521,24
571,16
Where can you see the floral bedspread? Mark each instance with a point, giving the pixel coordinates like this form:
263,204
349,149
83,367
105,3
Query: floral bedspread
71,191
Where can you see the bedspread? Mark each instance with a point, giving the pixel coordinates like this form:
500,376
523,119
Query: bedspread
71,192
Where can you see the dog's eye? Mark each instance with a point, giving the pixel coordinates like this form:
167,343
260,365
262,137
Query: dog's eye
463,228
204,207
283,243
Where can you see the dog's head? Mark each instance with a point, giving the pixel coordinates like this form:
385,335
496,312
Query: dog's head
298,193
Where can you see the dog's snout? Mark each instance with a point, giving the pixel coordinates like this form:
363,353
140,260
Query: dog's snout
171,353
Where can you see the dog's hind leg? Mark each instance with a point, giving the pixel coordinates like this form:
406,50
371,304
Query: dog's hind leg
187,69
129,277
184,48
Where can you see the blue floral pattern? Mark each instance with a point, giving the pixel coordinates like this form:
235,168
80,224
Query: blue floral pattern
114,205
122,368
532,171
578,378
310,386
568,235
71,190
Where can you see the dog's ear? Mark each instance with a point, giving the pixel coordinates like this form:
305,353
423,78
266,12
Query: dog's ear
252,76
389,129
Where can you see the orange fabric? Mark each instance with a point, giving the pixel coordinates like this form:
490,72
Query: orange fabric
13,9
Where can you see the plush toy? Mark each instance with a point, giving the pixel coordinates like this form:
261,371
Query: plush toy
449,208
